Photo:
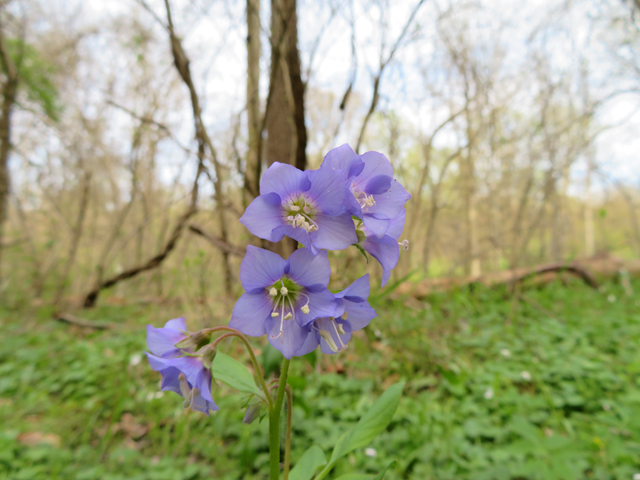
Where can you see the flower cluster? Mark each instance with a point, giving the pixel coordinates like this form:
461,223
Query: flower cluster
350,200
174,355
317,208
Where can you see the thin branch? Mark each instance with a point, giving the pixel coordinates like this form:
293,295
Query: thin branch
376,80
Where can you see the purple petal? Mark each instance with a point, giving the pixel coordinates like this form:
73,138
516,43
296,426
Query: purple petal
307,269
321,304
309,345
385,250
396,225
204,406
177,324
190,366
345,159
375,225
390,204
358,291
300,235
203,383
340,340
334,233
170,380
291,340
378,184
260,268
358,314
162,341
283,179
249,313
262,217
158,363
375,164
327,190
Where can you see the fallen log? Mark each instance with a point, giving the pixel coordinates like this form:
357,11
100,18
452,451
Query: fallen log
81,322
591,270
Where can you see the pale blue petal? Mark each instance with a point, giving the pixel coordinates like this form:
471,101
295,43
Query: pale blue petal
396,225
358,291
341,341
260,268
291,340
390,204
321,304
283,179
307,269
249,313
327,190
385,250
345,159
375,225
334,233
262,217
162,341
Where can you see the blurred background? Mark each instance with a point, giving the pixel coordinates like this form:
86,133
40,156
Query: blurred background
133,133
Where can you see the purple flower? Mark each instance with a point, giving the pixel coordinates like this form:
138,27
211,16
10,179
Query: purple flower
333,333
375,197
385,249
283,296
306,206
182,371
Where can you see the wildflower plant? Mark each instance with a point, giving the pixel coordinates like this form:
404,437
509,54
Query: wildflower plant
350,200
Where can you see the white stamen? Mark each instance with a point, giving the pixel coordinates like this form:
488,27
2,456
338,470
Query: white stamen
284,290
288,316
327,337
273,292
306,210
305,309
274,314
340,328
404,244
334,323
294,208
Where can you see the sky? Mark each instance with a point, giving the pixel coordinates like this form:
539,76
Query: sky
214,33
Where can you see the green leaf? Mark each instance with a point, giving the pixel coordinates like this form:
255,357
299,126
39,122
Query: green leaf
371,424
362,476
369,427
308,464
234,374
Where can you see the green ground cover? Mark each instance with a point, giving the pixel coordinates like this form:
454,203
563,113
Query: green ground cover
548,388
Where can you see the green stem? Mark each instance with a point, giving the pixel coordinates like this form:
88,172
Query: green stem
274,423
254,360
287,442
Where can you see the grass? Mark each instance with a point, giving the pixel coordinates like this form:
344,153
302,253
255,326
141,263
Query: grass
552,394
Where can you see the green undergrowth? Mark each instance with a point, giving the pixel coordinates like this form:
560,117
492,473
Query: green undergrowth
545,387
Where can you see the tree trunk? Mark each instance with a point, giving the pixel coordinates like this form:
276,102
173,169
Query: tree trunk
9,89
286,130
589,228
253,168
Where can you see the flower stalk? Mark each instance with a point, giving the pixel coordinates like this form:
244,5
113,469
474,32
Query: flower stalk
274,424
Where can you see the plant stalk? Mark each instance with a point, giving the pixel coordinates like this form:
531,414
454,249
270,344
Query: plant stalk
274,423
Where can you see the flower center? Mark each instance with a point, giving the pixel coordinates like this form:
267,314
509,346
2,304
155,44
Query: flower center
285,294
365,201
300,213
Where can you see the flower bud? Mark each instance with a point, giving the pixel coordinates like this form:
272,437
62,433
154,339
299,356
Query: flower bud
195,340
208,353
253,412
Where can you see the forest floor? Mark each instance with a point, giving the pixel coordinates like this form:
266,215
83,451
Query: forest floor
546,388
